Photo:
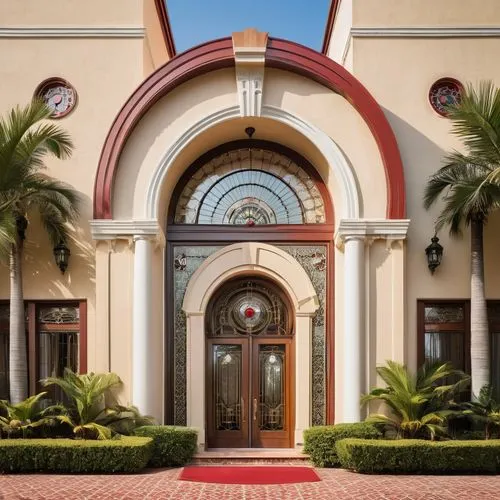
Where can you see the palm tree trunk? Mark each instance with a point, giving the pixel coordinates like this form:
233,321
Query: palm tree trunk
18,362
479,333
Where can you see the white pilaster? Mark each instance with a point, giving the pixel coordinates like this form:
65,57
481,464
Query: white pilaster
354,323
142,339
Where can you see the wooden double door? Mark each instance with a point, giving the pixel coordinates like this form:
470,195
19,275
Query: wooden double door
249,392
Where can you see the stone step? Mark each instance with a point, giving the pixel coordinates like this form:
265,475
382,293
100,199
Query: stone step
245,456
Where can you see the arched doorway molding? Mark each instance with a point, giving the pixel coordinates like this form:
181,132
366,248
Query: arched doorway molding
219,54
348,207
257,259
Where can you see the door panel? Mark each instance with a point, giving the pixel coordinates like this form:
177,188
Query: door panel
271,394
249,396
227,393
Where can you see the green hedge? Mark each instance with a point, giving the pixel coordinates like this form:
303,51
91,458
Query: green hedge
172,446
128,454
319,442
420,457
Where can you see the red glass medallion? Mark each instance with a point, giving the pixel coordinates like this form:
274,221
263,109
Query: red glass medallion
249,312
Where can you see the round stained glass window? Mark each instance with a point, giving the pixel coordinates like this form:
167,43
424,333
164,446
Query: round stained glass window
58,95
444,92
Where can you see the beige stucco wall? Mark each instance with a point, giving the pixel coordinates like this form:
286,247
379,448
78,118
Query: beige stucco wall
424,137
104,72
425,12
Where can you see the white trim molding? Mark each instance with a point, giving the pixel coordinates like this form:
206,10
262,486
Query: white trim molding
425,32
350,205
72,32
371,229
110,229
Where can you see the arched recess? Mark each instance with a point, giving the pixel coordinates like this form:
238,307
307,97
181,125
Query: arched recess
219,54
248,259
348,207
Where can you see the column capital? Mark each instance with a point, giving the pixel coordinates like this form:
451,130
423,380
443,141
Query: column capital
112,229
371,229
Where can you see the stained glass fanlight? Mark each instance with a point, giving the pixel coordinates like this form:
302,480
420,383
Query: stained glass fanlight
250,186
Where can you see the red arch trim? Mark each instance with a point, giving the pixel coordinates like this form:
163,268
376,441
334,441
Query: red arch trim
219,54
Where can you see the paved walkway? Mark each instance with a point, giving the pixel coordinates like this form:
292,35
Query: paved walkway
335,485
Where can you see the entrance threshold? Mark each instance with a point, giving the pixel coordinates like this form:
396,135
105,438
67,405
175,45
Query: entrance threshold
214,456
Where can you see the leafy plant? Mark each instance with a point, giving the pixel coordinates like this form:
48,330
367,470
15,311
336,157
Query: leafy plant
419,406
20,418
93,411
485,410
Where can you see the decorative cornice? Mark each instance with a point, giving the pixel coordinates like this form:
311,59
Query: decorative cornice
109,229
426,32
72,32
371,229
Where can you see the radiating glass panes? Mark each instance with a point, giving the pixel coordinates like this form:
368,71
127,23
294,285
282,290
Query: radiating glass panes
227,371
272,395
249,187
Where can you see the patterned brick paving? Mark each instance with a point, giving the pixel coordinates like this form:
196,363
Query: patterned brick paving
160,484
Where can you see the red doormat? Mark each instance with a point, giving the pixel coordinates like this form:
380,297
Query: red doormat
248,475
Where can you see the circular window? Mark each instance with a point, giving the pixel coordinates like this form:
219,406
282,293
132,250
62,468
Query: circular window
58,95
445,92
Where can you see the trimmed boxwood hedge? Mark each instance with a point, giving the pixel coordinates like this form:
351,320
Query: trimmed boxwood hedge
172,446
415,456
128,454
319,442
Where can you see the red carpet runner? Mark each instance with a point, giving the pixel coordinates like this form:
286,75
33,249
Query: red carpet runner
248,475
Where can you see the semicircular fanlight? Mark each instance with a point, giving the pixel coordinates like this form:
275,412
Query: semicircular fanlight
250,186
260,198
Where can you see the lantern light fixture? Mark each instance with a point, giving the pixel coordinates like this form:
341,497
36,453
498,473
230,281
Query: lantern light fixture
434,253
61,255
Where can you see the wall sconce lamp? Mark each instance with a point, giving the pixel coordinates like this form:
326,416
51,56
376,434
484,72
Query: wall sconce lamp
61,255
434,253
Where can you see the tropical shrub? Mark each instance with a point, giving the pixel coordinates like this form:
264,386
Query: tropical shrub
25,418
419,457
485,411
93,412
418,406
128,454
172,446
319,442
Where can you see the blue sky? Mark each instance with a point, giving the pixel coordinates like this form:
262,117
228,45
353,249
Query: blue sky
196,21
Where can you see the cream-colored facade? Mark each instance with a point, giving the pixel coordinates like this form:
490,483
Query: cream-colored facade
377,269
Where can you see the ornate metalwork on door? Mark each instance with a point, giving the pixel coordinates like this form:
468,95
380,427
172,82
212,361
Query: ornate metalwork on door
248,307
272,384
227,368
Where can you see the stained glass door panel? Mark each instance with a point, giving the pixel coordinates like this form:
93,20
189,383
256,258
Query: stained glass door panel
227,399
271,393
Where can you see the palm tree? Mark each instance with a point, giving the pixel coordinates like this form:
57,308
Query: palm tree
419,404
469,195
26,139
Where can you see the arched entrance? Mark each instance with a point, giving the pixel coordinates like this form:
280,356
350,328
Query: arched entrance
250,367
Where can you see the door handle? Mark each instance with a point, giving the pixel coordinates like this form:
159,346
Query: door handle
255,408
243,416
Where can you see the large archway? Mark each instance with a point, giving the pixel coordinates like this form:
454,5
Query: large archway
219,54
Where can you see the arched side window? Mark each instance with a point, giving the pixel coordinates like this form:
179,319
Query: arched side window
250,186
